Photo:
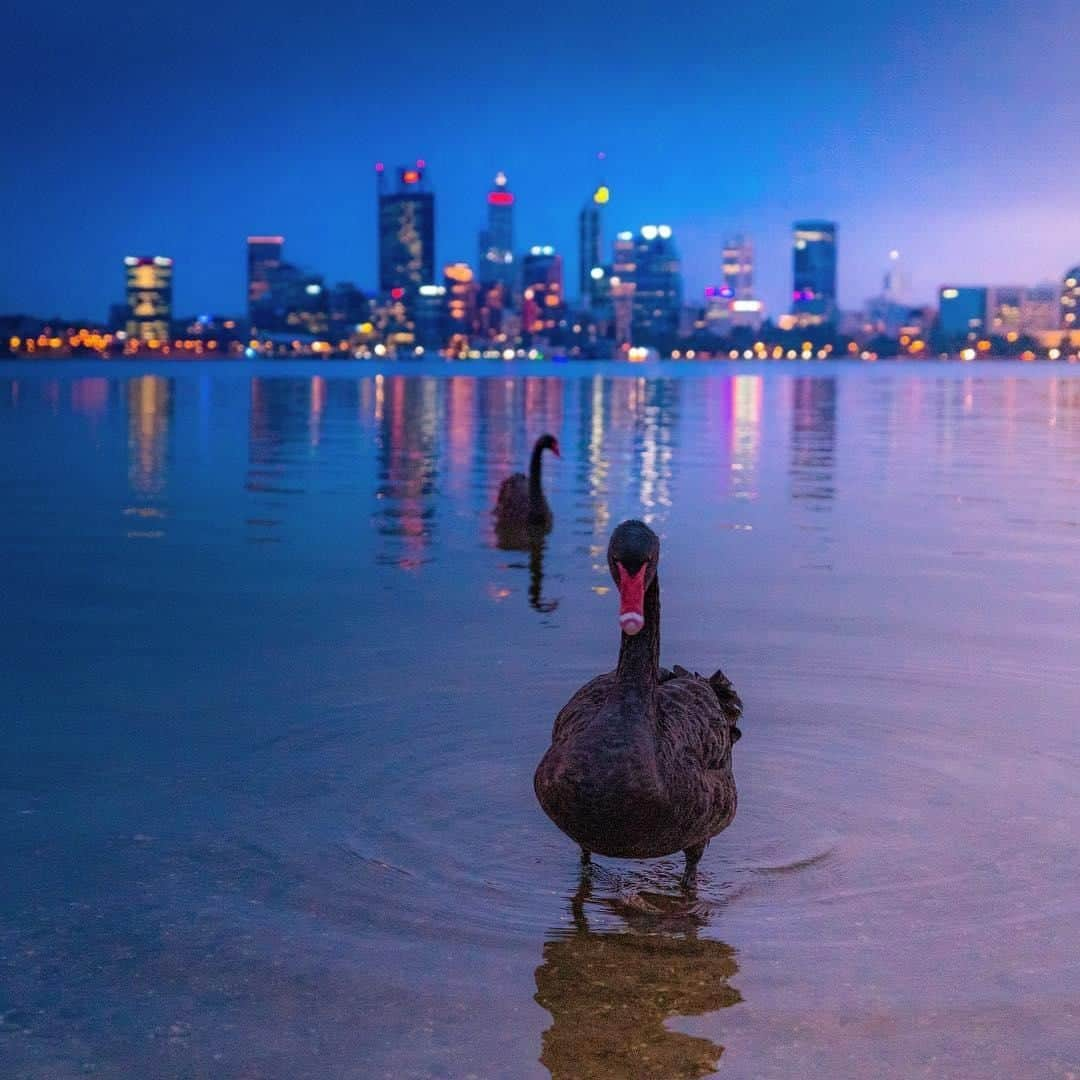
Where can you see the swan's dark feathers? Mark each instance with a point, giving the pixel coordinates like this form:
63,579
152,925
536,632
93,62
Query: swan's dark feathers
513,497
647,792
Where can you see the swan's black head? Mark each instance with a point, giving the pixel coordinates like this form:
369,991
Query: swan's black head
548,442
633,556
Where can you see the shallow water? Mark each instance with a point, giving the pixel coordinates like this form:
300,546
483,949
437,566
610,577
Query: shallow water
273,700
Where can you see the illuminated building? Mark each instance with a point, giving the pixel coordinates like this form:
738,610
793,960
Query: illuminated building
1040,309
461,297
1004,304
430,316
738,267
348,306
889,312
542,290
961,310
724,311
592,286
496,263
813,297
1070,299
406,229
264,260
657,277
149,297
622,286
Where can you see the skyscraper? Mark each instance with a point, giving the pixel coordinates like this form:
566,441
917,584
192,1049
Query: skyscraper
738,266
496,264
961,310
263,260
1070,299
149,297
814,273
657,277
406,228
591,286
621,284
542,290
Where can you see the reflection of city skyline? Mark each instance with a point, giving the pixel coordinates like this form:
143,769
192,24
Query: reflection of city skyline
149,401
443,445
813,439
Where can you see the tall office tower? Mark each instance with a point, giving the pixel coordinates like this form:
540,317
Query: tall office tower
592,289
406,229
622,285
461,298
149,280
961,310
1070,299
738,267
264,259
657,280
542,296
814,273
496,263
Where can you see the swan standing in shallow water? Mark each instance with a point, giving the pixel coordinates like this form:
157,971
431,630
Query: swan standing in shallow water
522,514
640,759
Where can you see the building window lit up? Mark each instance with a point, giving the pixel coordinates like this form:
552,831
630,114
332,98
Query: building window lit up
406,231
1070,299
149,297
813,297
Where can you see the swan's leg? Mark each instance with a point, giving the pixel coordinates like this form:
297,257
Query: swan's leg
693,857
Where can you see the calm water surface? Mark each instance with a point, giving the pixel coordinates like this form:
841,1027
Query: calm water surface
272,700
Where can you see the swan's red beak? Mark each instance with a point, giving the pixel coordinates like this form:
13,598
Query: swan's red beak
555,448
632,599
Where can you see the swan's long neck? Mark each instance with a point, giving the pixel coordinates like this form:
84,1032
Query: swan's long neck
639,656
536,491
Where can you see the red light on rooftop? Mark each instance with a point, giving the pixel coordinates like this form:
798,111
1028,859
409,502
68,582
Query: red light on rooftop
266,239
421,163
379,166
397,293
500,198
410,176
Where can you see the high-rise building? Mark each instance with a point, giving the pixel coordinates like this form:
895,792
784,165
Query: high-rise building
622,286
657,280
1004,307
592,288
1041,309
406,229
496,264
1070,299
542,290
738,266
461,298
264,259
149,297
961,310
814,273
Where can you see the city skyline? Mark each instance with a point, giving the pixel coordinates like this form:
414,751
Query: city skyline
880,128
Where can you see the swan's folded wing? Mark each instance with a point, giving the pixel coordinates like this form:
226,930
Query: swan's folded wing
582,707
513,495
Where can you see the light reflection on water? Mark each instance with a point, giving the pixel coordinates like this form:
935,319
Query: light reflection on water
277,695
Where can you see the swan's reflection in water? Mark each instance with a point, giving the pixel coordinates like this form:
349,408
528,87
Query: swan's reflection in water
611,992
533,540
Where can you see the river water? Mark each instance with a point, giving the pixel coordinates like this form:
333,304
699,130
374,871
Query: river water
272,700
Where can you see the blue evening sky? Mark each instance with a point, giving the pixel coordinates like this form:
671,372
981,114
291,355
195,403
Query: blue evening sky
947,130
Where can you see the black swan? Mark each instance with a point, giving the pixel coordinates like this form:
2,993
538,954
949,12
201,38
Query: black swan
640,759
522,514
